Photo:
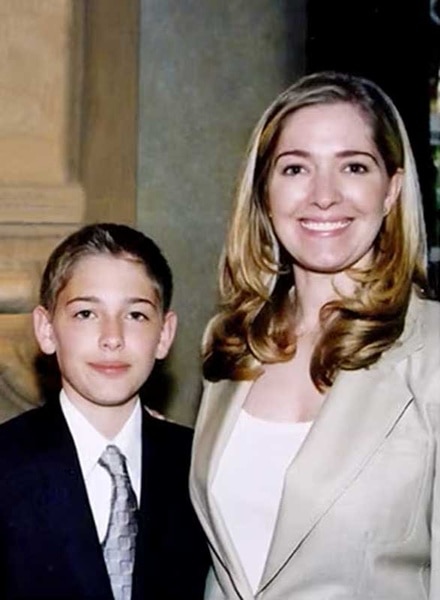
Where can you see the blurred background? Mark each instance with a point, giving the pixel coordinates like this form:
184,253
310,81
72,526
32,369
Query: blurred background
139,112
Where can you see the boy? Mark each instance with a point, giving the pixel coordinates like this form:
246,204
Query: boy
93,490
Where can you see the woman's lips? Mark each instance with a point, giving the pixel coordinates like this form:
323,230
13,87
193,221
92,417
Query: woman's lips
324,226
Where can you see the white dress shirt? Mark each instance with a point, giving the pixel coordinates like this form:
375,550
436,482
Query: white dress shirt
90,444
249,482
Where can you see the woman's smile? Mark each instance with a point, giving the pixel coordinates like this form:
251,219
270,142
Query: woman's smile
324,227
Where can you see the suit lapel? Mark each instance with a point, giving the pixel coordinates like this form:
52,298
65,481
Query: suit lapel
146,517
65,506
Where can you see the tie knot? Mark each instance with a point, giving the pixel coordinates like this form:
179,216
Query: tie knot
113,461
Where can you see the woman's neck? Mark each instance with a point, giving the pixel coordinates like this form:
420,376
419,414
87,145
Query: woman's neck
312,291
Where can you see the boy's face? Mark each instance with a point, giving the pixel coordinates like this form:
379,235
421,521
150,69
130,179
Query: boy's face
107,330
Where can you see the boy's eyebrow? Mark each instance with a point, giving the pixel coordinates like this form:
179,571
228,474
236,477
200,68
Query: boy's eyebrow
96,300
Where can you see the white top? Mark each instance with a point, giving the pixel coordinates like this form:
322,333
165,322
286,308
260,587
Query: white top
249,482
90,444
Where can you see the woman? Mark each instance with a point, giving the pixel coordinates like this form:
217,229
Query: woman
315,448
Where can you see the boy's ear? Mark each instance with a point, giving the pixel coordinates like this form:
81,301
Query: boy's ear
167,334
43,330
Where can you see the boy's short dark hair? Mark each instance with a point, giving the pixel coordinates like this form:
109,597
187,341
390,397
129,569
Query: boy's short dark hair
111,239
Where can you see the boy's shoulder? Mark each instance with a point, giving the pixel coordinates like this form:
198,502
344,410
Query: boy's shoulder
23,440
166,430
30,427
31,436
24,428
170,443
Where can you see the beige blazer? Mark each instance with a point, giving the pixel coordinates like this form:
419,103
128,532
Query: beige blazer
360,512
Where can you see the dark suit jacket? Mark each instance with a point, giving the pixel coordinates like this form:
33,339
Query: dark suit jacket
49,548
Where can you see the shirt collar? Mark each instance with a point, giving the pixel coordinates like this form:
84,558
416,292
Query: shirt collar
90,443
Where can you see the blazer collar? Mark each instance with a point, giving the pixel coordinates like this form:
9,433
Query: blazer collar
360,410
411,338
226,399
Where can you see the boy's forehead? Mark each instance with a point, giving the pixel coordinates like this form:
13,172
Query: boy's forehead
96,269
118,260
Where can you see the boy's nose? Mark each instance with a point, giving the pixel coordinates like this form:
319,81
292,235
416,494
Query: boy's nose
111,337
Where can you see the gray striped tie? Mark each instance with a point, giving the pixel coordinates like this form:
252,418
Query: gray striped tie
120,540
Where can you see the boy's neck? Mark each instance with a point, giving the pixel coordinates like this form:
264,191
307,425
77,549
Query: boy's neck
107,420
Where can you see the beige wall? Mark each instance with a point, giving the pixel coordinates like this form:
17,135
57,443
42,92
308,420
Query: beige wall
78,143
207,70
68,149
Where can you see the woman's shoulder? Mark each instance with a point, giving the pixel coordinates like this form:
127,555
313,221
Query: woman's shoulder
221,388
428,315
424,361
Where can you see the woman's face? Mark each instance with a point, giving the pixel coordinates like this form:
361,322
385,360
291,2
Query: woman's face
328,190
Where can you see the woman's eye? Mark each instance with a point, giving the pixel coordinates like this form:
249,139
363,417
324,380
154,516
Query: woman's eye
356,168
292,169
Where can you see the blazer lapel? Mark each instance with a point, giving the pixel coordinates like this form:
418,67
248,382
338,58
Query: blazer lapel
226,400
359,412
65,506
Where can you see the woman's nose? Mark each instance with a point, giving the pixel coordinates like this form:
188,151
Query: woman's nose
326,191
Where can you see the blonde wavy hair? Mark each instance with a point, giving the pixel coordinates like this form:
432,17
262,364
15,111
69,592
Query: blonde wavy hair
254,323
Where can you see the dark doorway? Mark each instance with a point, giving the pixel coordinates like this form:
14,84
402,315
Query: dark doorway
396,44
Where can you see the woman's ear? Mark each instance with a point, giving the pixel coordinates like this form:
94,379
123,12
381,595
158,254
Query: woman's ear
394,188
43,330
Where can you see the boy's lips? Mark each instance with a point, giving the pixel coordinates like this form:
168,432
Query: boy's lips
110,368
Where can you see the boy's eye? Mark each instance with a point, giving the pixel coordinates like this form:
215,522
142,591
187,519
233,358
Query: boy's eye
83,314
356,168
136,315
